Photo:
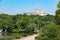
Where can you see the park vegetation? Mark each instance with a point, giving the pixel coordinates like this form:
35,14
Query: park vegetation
23,23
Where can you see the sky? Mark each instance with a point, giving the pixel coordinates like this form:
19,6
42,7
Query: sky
21,6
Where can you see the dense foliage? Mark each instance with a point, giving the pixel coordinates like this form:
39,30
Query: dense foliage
50,32
24,23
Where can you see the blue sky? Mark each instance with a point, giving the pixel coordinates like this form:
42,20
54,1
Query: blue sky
19,6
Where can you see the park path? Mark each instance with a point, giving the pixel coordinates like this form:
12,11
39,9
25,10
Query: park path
31,37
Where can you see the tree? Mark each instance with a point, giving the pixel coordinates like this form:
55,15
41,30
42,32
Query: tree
58,5
58,15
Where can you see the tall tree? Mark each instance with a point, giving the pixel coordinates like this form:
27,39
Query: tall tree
58,5
58,14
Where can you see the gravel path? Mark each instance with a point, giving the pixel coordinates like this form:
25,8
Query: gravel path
31,37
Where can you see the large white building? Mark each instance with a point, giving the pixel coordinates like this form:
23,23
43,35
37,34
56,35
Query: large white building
40,12
37,12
